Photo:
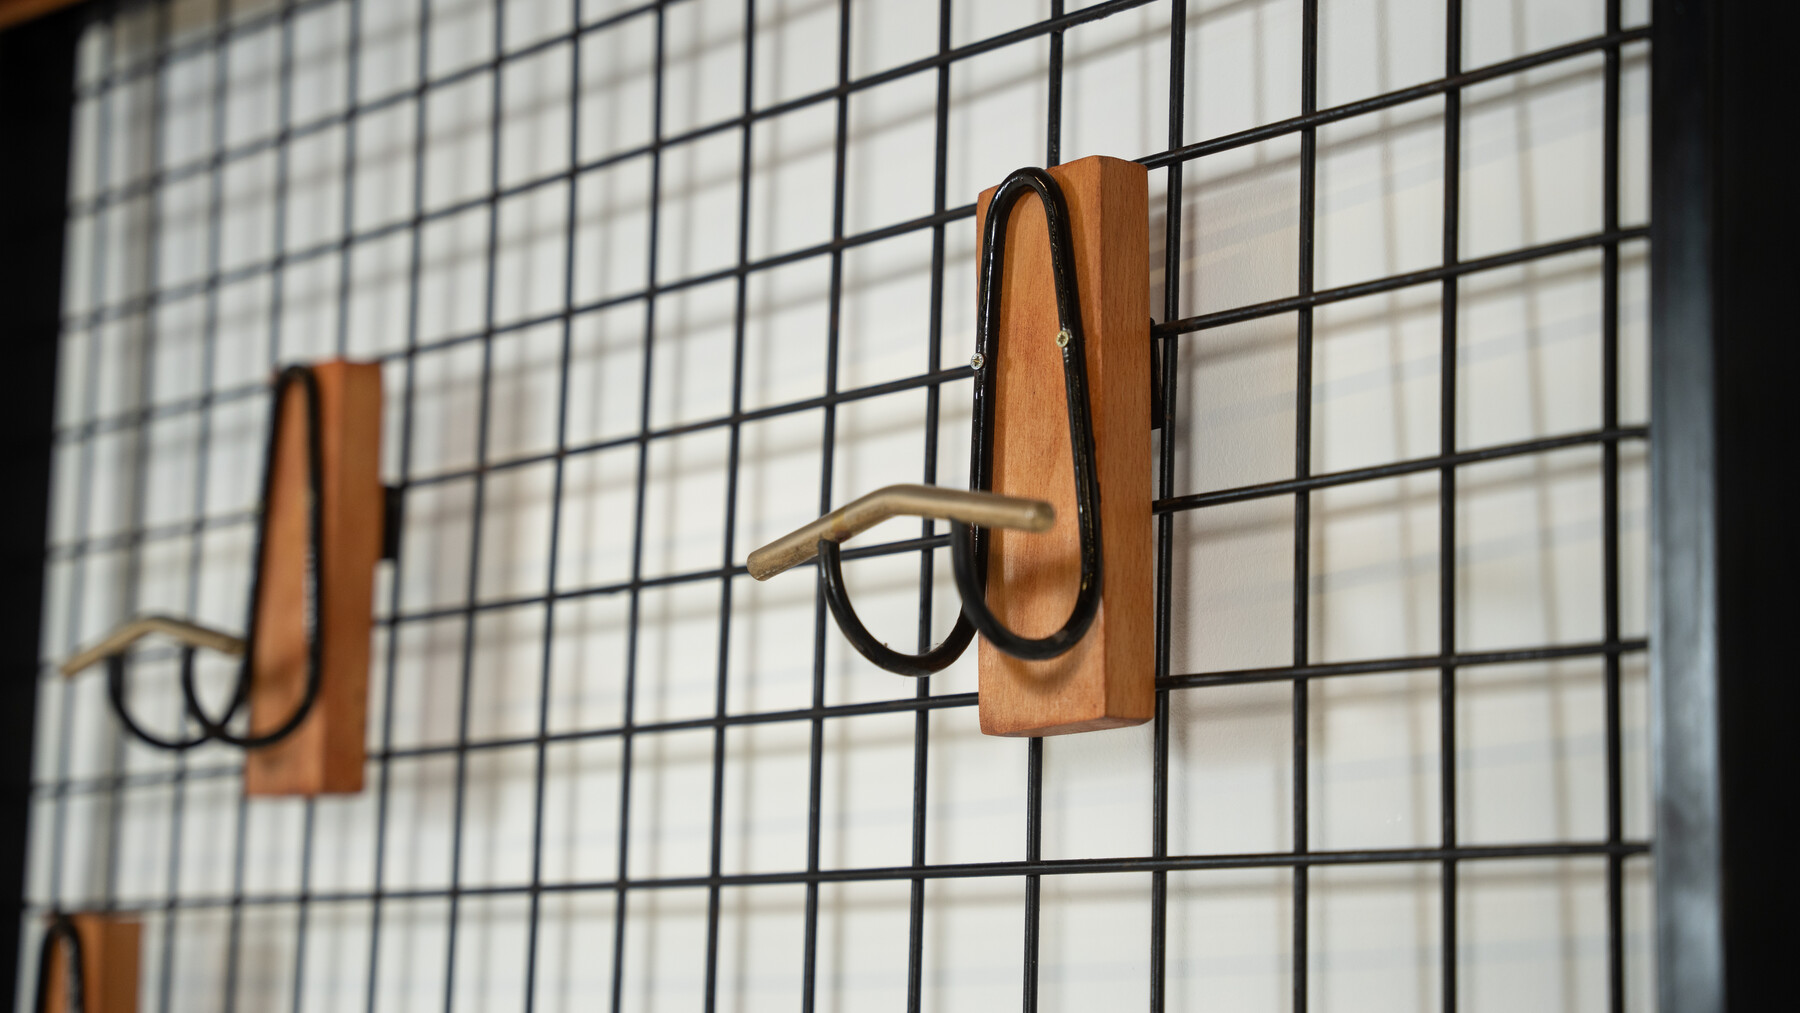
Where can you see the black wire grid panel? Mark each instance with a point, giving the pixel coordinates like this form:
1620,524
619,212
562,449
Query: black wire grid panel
555,617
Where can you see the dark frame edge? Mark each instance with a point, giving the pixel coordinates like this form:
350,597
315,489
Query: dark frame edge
1722,351
37,75
1722,379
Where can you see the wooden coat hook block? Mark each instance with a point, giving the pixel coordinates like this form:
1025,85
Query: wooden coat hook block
325,754
304,662
1050,543
109,947
1108,679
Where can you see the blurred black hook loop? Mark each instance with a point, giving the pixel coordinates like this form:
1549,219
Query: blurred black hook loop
192,636
62,930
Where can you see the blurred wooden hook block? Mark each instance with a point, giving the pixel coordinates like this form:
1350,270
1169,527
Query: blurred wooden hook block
325,753
1108,679
109,966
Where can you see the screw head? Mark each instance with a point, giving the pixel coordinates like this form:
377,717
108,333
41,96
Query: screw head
1062,338
976,361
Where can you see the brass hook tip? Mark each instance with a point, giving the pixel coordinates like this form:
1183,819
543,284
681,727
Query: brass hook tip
128,633
1040,517
761,563
982,509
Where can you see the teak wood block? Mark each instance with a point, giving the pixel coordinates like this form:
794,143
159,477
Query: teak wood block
1108,679
324,754
109,966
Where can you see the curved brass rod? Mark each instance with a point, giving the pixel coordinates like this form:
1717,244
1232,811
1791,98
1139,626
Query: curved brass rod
989,510
126,634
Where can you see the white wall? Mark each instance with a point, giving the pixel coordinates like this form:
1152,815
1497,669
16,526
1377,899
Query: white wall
1530,762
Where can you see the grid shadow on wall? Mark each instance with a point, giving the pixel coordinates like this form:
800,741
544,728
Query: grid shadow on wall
650,286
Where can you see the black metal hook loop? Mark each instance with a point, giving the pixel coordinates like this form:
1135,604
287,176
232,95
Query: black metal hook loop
212,729
831,576
62,929
969,544
115,692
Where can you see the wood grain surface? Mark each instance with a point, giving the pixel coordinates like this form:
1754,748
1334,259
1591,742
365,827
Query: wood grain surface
325,754
1107,680
17,12
109,965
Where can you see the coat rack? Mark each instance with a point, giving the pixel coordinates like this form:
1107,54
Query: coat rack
1050,546
303,675
88,963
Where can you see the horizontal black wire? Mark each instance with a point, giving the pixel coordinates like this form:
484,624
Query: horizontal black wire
899,705
128,537
161,177
1377,666
1178,504
1608,437
158,178
1375,472
961,870
1169,330
250,24
1172,505
141,303
1388,100
1391,283
138,536
144,185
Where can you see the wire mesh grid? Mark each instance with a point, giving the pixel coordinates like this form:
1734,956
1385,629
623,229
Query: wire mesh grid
684,108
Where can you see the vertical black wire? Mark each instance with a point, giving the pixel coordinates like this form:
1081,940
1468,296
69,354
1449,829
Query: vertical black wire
283,121
1165,523
146,379
414,267
1034,851
178,789
1309,102
84,464
347,218
1447,413
478,508
627,738
733,455
558,478
309,805
141,423
1034,748
915,915
1609,421
1160,814
340,342
1053,122
309,826
235,917
209,333
833,333
815,770
347,179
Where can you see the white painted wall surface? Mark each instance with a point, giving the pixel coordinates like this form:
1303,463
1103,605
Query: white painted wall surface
1528,560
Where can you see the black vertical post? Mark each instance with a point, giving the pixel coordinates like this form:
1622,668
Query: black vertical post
1723,368
37,91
